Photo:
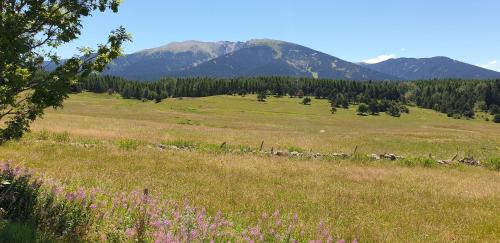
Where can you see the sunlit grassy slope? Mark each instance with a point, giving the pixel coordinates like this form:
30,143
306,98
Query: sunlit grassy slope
358,198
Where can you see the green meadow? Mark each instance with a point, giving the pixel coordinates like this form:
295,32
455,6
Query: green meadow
105,141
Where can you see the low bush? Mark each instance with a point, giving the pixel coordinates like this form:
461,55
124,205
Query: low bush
25,200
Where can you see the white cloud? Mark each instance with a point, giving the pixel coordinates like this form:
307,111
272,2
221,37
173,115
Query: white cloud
490,64
403,49
380,58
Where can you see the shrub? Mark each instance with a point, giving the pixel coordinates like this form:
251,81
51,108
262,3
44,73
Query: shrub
362,109
18,194
393,111
56,214
306,101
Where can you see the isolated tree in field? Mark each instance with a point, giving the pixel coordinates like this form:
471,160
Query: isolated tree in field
362,109
306,101
373,107
262,96
30,31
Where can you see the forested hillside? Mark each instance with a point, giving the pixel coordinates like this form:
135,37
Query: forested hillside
458,98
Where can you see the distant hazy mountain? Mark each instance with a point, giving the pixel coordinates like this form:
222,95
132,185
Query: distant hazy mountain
431,68
278,58
232,59
156,63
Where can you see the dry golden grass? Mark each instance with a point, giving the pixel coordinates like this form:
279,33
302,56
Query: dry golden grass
280,123
370,201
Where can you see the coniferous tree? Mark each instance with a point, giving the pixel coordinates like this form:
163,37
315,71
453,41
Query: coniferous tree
373,107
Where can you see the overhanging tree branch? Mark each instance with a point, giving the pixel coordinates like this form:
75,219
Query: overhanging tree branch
27,29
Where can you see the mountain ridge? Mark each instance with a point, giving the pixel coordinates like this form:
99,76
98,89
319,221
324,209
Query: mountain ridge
438,67
265,57
268,57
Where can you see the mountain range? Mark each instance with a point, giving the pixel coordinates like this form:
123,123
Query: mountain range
265,57
431,68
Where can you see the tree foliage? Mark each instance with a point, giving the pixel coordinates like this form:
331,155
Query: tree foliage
30,32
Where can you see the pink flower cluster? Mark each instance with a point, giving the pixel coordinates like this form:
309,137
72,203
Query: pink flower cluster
138,216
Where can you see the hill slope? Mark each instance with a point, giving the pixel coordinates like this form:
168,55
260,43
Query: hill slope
431,68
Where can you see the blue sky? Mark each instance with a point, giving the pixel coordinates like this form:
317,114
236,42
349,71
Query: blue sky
354,30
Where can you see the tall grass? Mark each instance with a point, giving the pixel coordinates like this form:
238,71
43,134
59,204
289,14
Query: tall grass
79,215
493,164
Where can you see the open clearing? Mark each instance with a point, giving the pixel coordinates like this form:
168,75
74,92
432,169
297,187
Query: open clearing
362,199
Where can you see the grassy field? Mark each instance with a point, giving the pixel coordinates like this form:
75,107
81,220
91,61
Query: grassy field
358,198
